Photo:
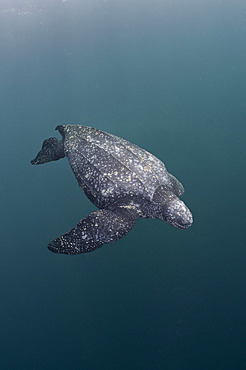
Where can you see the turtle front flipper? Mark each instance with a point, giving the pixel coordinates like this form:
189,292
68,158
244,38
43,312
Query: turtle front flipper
98,228
52,150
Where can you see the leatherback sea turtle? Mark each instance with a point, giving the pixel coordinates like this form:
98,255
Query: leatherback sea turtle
124,181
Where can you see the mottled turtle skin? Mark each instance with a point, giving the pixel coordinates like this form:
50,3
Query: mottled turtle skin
123,180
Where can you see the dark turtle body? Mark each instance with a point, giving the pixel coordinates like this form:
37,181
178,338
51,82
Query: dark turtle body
123,180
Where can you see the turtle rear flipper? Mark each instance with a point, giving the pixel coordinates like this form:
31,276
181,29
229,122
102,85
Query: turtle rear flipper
52,150
98,228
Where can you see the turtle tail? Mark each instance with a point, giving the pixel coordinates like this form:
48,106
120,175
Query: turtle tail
52,150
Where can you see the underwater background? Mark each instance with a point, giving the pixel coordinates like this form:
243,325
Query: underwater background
170,77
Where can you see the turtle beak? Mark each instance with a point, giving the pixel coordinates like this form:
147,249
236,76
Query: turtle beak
185,221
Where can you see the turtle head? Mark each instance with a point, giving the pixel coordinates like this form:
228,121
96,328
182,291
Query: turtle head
168,207
177,214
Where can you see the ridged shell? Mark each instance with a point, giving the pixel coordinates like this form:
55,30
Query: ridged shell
108,167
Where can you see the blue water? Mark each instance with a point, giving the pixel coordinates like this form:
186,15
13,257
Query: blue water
170,77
